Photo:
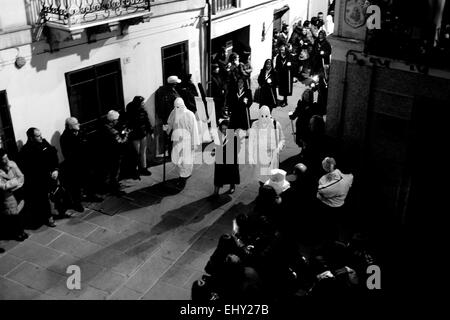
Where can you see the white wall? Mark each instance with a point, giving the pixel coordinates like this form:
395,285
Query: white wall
39,97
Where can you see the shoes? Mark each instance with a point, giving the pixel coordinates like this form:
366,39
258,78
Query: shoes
51,223
21,237
145,172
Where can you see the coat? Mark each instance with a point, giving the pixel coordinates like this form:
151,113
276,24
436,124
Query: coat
11,179
225,172
240,117
164,98
268,84
284,69
138,122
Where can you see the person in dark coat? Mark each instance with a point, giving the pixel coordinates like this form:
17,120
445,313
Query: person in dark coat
284,71
140,128
188,92
221,60
114,143
224,171
164,98
321,52
267,81
303,113
246,70
39,163
239,101
75,168
235,71
218,91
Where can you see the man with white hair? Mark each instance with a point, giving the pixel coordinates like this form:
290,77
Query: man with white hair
265,144
334,185
182,126
114,141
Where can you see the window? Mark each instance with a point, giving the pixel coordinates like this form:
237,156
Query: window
7,138
93,91
175,60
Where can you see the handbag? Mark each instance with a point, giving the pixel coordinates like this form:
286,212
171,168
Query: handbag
257,96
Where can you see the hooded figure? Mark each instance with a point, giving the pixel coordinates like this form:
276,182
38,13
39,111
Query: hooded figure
266,142
184,136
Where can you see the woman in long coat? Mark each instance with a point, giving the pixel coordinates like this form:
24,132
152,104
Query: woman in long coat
284,70
239,101
267,81
225,172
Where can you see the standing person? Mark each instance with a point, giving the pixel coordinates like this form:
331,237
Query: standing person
140,128
164,98
218,91
39,162
234,70
240,100
75,168
188,92
114,142
182,126
284,71
303,113
221,60
266,142
11,179
225,172
246,70
283,36
268,82
321,52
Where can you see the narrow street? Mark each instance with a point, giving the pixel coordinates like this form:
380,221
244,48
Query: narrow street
152,243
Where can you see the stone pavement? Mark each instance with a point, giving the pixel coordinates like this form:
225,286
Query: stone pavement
153,245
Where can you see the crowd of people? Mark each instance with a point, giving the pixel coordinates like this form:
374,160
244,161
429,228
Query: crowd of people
39,189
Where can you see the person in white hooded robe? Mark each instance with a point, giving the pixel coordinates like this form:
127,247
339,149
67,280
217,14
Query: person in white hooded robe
266,142
185,138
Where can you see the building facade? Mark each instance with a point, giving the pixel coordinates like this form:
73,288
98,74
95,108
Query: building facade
83,58
387,103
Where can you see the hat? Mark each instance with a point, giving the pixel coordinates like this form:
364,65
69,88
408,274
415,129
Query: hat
278,181
173,79
112,115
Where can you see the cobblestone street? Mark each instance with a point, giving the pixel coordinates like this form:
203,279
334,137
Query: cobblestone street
151,243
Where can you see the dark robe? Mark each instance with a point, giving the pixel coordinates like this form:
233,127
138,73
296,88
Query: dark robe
268,92
224,171
38,161
318,59
284,69
240,116
218,92
303,114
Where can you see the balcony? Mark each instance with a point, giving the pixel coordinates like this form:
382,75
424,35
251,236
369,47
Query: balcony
76,16
218,6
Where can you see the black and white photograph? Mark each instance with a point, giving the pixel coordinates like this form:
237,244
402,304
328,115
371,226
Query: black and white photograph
207,151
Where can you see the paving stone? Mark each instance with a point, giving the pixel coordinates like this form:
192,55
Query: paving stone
114,223
148,274
125,293
9,244
45,236
93,294
10,290
130,239
77,227
145,215
8,262
178,275
35,277
74,246
194,277
145,249
35,253
107,281
124,264
205,245
193,259
165,291
60,265
105,237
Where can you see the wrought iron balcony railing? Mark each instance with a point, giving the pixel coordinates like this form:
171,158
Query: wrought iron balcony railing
222,5
69,13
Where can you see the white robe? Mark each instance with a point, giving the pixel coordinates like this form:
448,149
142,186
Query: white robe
264,149
185,138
